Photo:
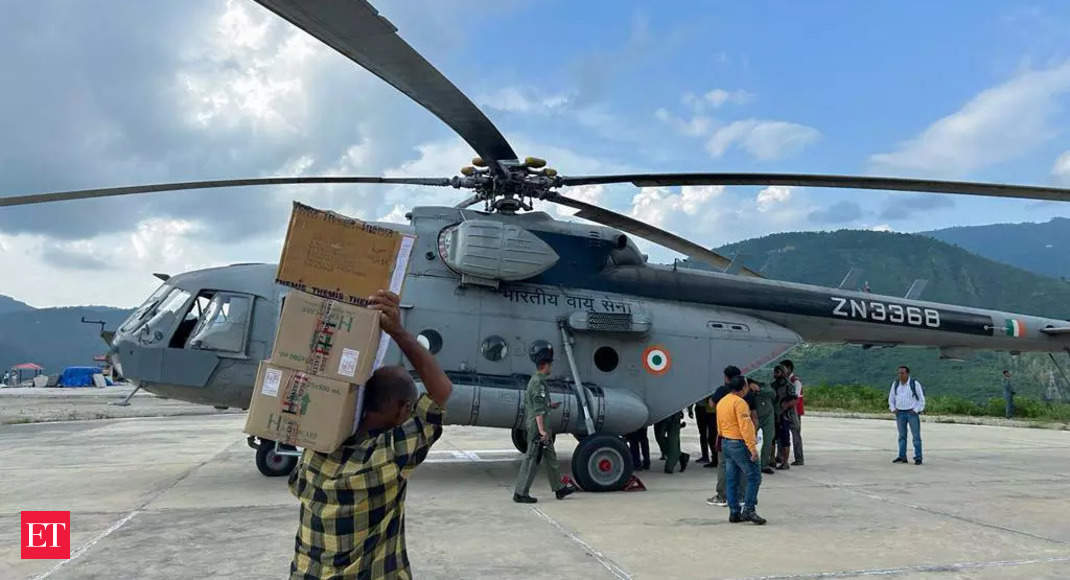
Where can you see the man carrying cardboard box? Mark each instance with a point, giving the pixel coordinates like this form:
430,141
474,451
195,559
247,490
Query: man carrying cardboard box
353,499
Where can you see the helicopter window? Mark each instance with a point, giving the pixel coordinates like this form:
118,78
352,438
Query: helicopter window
606,359
143,311
494,348
431,340
537,347
223,324
164,317
193,317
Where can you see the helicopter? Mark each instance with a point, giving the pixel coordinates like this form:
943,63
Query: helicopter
493,282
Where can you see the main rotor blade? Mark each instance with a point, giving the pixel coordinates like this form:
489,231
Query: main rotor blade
355,29
113,191
648,232
843,181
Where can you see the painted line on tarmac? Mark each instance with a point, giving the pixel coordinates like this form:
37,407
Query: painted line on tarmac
958,566
130,515
465,456
606,563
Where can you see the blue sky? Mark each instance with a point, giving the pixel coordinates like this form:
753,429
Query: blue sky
116,93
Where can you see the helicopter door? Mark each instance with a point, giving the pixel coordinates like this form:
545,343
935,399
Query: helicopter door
220,324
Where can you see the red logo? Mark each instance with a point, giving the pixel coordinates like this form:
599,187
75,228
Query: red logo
46,535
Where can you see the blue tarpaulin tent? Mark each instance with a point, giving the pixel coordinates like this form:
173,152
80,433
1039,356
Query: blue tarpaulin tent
78,376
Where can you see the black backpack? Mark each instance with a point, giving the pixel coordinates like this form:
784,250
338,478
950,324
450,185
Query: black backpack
913,387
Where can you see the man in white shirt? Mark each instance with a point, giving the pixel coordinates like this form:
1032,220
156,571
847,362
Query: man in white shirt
907,400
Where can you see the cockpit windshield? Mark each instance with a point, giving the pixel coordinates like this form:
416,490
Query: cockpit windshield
163,317
142,313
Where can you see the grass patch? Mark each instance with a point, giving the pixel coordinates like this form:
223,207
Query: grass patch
864,399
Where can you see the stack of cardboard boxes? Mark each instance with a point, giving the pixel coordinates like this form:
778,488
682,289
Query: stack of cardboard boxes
327,343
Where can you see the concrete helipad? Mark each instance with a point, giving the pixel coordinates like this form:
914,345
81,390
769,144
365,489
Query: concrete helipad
179,497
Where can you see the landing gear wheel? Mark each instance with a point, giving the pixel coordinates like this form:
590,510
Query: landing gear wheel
520,440
272,464
602,463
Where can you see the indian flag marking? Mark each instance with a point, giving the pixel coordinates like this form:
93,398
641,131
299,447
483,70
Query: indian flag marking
1015,328
656,360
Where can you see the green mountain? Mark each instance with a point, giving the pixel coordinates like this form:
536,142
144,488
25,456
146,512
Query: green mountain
55,338
890,263
1037,247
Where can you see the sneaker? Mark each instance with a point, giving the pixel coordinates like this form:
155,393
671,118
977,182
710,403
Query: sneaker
752,516
711,465
916,461
703,460
783,466
899,460
684,458
564,492
768,470
735,518
717,501
798,462
524,499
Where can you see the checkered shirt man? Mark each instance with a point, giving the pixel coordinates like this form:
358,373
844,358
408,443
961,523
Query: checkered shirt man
353,500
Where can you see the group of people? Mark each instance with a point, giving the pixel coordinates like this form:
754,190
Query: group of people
745,429
352,501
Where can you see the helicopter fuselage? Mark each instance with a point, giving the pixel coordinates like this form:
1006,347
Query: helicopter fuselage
646,339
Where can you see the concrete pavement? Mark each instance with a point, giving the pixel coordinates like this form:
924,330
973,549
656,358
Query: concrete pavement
180,497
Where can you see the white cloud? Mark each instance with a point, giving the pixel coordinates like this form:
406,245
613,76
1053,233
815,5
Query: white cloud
656,205
881,228
763,140
998,124
716,98
771,197
524,100
697,126
1061,169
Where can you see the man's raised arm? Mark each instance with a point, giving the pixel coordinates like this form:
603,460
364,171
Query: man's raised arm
436,382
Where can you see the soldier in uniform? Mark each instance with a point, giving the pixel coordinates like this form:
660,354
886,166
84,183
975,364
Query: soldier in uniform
667,434
765,400
537,406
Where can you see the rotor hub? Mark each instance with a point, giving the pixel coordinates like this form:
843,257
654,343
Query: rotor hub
510,186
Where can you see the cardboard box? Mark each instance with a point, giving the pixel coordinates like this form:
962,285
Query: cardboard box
300,409
333,256
327,338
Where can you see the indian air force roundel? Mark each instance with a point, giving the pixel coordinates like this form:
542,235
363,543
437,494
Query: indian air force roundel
656,360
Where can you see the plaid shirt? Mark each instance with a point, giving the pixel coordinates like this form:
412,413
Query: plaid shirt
353,500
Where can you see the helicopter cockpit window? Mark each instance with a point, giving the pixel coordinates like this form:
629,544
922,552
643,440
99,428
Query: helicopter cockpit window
163,318
197,310
141,314
224,324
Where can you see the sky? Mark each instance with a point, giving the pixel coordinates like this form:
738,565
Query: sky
111,93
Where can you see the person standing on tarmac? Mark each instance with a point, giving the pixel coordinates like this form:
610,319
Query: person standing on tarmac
786,414
730,372
537,406
1008,394
796,427
667,434
765,400
707,430
740,450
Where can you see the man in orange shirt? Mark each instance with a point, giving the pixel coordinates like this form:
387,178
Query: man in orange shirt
739,445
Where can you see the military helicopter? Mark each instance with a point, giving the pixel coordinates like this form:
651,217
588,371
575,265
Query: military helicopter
490,287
